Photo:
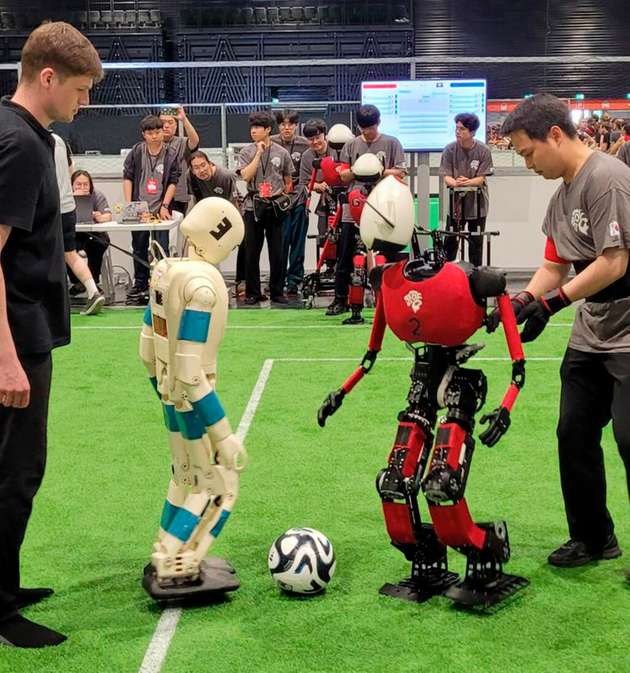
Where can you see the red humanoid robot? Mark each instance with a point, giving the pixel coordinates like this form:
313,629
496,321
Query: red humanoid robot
434,307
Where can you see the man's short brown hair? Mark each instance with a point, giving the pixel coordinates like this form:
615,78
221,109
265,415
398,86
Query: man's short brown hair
60,46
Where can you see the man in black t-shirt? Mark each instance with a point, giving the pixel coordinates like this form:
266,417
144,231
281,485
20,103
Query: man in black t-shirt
59,66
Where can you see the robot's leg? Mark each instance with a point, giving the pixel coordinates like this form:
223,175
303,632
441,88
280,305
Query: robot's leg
200,499
356,291
398,486
485,545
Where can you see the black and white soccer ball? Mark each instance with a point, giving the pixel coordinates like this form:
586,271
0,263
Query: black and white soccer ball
302,561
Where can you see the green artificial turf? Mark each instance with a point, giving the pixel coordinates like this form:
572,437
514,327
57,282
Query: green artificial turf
97,513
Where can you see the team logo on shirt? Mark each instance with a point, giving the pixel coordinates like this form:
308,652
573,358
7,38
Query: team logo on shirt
296,156
159,169
579,221
613,227
218,190
413,299
474,164
276,162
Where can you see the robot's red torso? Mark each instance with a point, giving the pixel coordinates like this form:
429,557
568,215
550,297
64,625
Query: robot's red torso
437,310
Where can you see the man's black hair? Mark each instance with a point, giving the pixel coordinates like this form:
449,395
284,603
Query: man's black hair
198,154
368,115
150,123
626,128
263,119
536,115
468,120
314,127
290,116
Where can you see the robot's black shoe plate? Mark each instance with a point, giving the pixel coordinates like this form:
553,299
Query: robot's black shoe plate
217,577
420,591
469,593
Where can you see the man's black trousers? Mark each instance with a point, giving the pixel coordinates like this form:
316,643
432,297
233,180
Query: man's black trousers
346,249
475,244
270,227
22,462
140,245
595,389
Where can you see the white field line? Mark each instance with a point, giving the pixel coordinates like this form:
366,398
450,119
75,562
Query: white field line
165,629
262,327
410,359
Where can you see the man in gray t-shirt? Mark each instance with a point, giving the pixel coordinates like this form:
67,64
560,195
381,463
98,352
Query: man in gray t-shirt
624,152
465,164
588,226
389,150
295,223
209,179
182,146
267,169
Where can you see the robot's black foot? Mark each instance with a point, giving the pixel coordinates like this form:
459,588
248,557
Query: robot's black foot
216,577
472,593
354,320
419,590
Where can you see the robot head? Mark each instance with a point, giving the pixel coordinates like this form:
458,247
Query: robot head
368,168
214,227
356,200
338,136
387,217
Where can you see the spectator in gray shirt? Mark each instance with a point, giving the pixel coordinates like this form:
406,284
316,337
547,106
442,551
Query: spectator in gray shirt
466,163
182,146
295,222
267,169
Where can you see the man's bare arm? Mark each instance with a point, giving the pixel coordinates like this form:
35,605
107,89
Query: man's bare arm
15,389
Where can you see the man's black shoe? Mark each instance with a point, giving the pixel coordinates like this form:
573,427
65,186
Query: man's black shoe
76,289
17,631
575,553
136,290
251,301
26,597
280,299
337,307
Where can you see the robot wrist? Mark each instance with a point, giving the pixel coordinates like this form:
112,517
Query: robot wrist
368,360
518,373
554,301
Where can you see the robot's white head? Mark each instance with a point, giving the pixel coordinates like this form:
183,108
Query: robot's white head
368,168
338,136
387,217
214,227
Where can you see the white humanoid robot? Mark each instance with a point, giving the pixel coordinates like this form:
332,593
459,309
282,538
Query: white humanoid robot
183,328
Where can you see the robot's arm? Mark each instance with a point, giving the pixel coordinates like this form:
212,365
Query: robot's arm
197,389
147,348
499,419
335,398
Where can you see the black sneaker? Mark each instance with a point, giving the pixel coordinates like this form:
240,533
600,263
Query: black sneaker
136,290
76,289
94,304
280,299
575,553
251,301
337,307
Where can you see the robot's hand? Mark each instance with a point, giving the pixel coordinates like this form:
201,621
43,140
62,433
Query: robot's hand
536,314
330,405
231,453
519,302
498,424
